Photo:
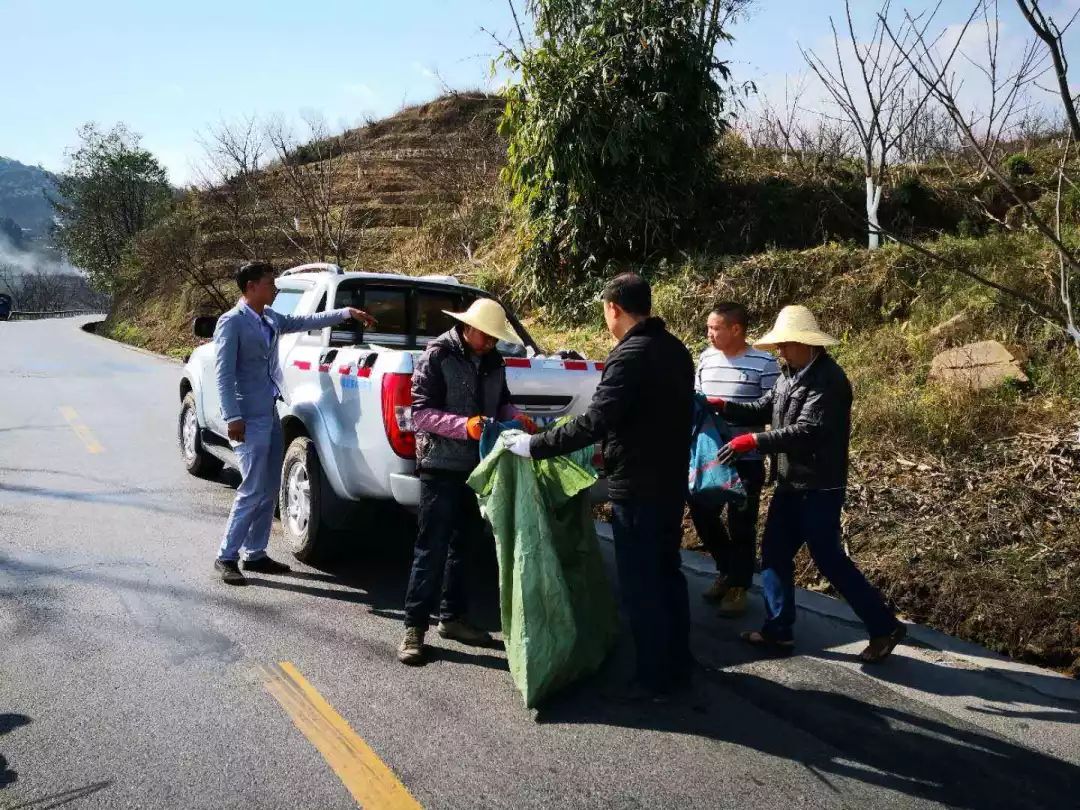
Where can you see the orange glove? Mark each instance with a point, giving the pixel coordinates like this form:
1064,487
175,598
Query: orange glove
474,426
527,423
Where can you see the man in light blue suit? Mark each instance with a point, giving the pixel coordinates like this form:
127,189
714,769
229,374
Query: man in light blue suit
250,381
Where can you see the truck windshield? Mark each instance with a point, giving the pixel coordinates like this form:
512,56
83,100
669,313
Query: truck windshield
408,316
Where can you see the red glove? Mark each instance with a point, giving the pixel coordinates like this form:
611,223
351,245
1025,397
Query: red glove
527,423
740,444
744,443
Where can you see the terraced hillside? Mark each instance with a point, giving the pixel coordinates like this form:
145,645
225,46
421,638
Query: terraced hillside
379,192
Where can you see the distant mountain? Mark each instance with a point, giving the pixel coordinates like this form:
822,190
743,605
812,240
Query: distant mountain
22,197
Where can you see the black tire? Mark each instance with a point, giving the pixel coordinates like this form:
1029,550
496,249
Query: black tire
197,461
304,527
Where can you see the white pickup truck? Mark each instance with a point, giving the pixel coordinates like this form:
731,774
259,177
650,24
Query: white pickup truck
347,415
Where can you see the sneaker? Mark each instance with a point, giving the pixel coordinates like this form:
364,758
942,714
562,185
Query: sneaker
266,565
733,605
411,649
230,572
716,591
458,630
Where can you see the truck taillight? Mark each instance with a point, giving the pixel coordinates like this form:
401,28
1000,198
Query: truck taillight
397,413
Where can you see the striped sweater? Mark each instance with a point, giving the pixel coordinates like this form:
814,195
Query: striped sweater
741,378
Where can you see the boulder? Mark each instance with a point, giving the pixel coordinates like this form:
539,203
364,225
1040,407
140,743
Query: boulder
986,364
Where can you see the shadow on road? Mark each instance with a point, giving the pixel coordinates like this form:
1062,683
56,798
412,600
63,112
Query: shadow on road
9,722
977,682
133,498
62,798
878,742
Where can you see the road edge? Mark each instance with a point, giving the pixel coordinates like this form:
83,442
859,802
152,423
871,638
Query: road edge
1026,675
90,329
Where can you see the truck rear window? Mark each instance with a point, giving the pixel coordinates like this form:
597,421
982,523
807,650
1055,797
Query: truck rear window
408,316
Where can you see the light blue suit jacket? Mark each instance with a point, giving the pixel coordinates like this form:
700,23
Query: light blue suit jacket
247,367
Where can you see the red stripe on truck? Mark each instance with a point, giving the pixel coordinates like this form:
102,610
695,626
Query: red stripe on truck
518,362
364,371
303,365
324,368
576,365
599,366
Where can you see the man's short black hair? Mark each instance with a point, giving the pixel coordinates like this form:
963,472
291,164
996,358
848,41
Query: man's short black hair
253,271
733,312
631,292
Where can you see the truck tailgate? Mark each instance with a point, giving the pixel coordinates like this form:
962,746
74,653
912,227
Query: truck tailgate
549,388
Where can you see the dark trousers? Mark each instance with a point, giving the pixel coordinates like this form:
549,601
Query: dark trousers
449,525
733,547
648,534
812,517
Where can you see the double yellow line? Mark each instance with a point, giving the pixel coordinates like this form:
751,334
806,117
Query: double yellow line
81,430
368,779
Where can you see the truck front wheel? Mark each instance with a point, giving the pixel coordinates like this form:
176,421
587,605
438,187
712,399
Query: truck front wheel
301,500
196,459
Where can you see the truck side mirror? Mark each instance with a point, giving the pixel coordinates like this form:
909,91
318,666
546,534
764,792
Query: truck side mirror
204,326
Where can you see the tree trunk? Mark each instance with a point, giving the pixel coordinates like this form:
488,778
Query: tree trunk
873,201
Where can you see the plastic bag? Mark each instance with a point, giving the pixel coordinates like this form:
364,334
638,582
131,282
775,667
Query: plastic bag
710,482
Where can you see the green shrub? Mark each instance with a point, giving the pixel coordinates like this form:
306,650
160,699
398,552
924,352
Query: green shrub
1018,165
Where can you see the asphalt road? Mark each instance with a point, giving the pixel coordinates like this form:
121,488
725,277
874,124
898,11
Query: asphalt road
131,677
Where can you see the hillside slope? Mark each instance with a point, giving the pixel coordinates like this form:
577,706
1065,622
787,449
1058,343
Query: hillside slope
22,196
964,506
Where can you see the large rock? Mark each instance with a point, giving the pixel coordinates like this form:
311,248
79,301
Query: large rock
986,364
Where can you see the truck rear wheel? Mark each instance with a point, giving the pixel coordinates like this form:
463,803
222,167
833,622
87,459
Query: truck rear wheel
196,460
301,501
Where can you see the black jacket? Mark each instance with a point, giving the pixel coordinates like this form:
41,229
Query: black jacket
641,411
810,425
446,379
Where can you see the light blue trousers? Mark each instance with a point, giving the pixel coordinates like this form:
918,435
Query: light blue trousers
260,455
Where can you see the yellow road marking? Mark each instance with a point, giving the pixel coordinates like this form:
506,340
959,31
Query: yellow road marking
368,779
81,430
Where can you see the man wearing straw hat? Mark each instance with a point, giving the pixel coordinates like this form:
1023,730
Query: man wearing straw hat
810,414
458,384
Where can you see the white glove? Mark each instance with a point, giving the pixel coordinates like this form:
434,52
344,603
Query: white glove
519,445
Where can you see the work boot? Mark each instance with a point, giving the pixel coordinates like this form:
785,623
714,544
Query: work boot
411,650
733,605
230,572
458,630
716,591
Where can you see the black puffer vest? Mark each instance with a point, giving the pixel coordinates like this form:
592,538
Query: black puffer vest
447,379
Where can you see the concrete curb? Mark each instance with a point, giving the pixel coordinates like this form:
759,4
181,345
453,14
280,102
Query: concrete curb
89,328
1043,681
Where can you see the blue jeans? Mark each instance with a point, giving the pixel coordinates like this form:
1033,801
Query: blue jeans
448,526
252,514
648,535
812,517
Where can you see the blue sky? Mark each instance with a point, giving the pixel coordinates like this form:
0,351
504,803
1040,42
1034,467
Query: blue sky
169,70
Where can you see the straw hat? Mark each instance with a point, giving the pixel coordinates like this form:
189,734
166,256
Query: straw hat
489,317
795,324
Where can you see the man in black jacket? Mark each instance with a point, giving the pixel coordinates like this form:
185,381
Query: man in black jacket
641,411
810,414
